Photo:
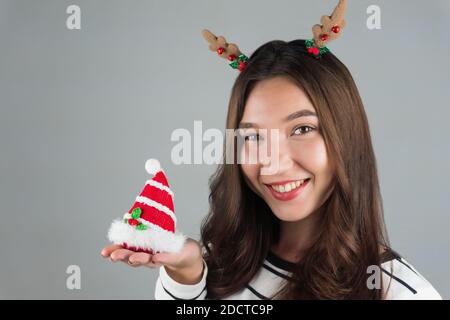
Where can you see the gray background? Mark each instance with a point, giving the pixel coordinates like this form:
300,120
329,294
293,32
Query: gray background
82,110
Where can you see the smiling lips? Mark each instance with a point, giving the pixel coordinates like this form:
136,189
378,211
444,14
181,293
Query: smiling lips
289,190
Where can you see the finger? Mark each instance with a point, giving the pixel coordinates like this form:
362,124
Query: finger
139,258
121,255
106,252
134,265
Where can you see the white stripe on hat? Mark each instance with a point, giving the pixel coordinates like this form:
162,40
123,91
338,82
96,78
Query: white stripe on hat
159,185
157,205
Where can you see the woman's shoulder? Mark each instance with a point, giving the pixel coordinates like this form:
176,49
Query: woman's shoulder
401,281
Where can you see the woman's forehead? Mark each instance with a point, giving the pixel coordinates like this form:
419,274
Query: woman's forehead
275,99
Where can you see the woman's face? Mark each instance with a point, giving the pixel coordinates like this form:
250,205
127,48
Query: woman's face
296,179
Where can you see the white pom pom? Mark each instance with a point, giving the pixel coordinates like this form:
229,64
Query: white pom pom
152,166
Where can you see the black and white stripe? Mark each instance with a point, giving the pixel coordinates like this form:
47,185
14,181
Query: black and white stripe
400,280
177,298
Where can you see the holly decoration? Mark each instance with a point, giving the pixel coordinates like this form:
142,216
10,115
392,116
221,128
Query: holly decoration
315,51
239,62
135,215
133,222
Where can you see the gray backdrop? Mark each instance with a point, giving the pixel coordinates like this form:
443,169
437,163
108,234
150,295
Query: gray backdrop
81,111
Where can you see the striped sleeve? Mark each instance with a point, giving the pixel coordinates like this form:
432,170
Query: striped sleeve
168,289
403,282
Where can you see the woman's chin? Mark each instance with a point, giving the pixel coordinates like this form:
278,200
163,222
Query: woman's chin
290,215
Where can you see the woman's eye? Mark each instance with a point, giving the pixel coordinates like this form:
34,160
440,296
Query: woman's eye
301,130
252,137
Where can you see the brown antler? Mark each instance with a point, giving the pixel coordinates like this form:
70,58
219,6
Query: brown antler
220,45
331,26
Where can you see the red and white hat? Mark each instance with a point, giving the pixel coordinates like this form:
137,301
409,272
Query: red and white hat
149,226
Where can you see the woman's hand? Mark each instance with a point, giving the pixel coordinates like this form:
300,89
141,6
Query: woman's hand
185,267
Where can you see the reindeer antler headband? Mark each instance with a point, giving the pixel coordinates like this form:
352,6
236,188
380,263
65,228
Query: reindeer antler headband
226,50
329,30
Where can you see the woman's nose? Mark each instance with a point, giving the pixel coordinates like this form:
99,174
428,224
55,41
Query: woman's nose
277,158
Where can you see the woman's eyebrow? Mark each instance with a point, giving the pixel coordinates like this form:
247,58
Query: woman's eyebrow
295,115
301,113
243,125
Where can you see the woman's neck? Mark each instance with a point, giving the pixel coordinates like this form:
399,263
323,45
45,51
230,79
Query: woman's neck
296,237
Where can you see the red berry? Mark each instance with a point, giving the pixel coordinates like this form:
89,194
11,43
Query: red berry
324,37
310,50
336,29
315,51
231,57
133,222
241,66
220,50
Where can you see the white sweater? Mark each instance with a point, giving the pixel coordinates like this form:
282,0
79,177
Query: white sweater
404,282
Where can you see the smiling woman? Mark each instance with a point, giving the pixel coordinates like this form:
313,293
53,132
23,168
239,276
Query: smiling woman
322,209
316,224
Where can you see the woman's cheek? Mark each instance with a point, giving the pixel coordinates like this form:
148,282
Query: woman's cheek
312,154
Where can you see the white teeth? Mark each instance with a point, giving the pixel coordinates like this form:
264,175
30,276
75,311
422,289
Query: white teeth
288,186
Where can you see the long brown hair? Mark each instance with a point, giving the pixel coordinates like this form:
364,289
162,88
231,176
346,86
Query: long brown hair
240,228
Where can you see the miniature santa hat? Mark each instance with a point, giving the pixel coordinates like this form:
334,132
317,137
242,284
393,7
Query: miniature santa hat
149,226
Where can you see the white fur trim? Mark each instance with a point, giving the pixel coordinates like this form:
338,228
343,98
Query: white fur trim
152,166
159,186
152,238
156,205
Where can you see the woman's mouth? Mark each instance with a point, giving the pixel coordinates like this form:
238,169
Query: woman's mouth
289,190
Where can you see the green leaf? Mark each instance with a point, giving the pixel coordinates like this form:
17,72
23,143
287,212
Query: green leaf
136,214
234,64
141,226
243,58
309,43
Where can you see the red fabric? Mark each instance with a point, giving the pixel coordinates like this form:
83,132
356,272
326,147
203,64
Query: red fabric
155,216
161,178
158,195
